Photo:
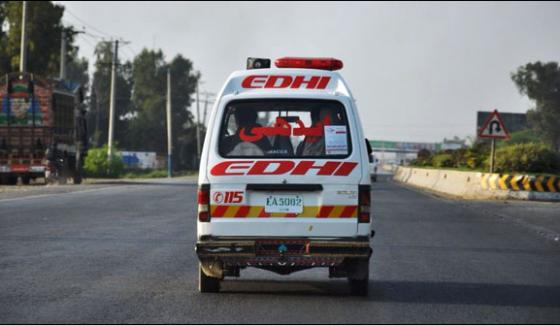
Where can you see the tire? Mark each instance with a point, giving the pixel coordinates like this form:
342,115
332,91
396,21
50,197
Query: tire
11,180
25,180
359,288
77,179
358,278
207,284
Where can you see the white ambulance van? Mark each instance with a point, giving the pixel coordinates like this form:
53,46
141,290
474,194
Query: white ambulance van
284,181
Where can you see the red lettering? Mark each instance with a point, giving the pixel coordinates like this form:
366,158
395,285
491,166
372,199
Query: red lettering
224,168
256,81
233,197
273,80
237,197
305,166
310,84
279,81
324,82
283,166
345,169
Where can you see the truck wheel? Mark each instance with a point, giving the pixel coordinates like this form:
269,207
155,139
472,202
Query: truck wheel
77,178
11,180
359,287
25,180
206,283
358,278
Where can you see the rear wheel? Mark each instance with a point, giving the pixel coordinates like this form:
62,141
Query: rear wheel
359,287
206,283
358,277
25,180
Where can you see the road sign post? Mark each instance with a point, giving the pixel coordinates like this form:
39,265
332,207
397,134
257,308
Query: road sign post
492,156
494,128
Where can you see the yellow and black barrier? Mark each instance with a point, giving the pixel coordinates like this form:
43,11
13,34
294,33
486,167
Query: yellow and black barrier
521,183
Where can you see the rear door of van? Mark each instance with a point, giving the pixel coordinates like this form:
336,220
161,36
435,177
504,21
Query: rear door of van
281,167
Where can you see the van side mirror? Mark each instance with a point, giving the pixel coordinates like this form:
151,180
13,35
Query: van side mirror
369,151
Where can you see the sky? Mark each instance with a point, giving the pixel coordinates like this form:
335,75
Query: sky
419,71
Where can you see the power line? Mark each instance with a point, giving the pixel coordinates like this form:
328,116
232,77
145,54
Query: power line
88,24
90,43
130,51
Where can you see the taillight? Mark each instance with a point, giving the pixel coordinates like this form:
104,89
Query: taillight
203,199
364,203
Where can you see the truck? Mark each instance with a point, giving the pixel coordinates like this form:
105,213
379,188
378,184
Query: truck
43,131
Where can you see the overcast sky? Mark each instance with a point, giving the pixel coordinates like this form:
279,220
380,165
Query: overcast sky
418,71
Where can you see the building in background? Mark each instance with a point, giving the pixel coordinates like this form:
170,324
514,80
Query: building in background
454,144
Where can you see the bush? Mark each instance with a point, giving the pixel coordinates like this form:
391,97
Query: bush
97,163
443,160
424,159
528,158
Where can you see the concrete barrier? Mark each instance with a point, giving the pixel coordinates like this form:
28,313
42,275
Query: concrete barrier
481,186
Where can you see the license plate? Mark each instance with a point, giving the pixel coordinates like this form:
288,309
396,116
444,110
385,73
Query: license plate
284,204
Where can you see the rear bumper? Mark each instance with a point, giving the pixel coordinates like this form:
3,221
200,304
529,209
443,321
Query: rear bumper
282,251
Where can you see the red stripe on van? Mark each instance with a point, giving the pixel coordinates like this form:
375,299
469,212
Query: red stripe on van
325,211
348,212
243,212
263,214
219,211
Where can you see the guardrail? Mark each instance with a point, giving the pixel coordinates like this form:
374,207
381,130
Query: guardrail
476,185
521,183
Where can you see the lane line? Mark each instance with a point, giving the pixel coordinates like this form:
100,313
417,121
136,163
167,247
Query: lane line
60,194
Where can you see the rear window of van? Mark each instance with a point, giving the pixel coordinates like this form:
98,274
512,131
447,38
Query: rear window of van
282,128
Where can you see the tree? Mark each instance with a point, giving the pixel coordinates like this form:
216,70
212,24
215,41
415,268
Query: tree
44,26
148,127
44,30
541,83
184,81
98,116
4,59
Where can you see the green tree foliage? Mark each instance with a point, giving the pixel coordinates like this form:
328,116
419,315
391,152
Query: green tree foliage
44,27
140,123
148,127
528,158
44,30
523,136
443,160
98,117
541,83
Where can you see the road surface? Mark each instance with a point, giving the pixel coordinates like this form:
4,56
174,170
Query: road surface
124,253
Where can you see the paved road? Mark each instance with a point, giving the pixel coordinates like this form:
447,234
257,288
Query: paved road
124,253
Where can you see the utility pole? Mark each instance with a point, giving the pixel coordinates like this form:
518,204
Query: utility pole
112,99
63,55
169,129
197,124
206,102
492,155
23,49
